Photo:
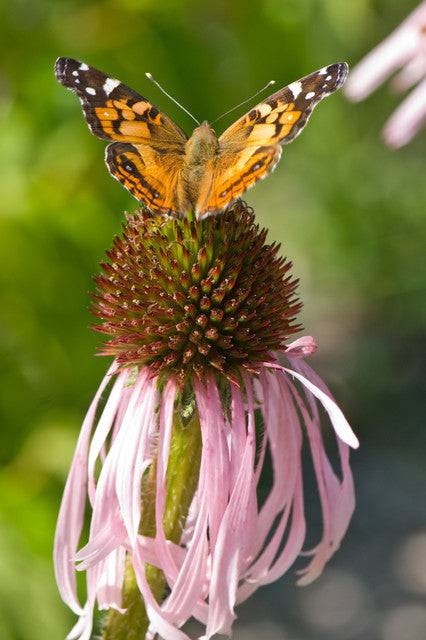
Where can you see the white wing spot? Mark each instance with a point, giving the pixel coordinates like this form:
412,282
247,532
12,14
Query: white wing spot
328,78
310,95
265,109
75,72
110,84
323,71
77,81
84,66
295,88
90,91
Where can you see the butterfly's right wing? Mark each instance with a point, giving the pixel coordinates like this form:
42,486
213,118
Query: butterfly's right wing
282,116
146,140
251,147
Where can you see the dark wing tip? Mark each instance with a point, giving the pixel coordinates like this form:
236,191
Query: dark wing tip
59,68
342,70
64,68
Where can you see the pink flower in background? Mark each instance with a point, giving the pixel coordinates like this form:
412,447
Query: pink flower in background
231,544
404,49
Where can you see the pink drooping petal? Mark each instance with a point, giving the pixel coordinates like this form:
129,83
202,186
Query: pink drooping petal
337,497
284,505
70,519
107,515
149,551
296,537
214,442
103,428
159,620
347,480
133,452
237,432
284,437
189,587
110,585
101,545
407,119
338,420
227,557
163,451
323,551
301,347
341,492
82,623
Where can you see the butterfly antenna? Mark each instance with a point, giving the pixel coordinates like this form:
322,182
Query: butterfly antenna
149,76
268,84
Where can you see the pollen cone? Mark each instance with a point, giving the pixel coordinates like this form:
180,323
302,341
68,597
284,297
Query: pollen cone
191,296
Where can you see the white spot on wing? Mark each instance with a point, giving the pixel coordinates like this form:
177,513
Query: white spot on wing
90,91
77,81
328,78
310,95
84,66
323,71
75,72
295,88
110,84
265,109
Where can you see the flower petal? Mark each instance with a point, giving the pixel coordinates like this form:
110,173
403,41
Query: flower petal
338,420
407,119
71,513
301,347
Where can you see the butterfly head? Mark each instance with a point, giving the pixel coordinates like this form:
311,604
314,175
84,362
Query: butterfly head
205,130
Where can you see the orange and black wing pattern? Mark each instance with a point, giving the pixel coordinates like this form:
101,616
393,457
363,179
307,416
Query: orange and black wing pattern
251,147
151,178
142,135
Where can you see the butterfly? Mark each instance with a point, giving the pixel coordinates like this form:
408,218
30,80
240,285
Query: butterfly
171,173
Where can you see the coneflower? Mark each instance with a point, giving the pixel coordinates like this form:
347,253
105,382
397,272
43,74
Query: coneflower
205,389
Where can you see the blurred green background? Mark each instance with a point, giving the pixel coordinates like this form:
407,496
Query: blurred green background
349,212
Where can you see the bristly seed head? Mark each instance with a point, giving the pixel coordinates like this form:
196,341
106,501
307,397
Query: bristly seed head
186,296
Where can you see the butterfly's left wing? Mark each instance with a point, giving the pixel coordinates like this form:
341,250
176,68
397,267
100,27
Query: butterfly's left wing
114,111
147,146
251,147
151,177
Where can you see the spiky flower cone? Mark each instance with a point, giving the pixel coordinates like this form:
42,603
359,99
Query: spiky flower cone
188,297
197,314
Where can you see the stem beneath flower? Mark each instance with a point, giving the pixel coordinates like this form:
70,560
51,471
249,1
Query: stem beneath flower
182,479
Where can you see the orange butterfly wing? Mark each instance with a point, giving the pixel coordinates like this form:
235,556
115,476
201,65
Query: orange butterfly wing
233,174
151,178
251,147
146,141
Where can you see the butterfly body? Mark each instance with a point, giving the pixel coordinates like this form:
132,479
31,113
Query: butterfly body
201,153
171,173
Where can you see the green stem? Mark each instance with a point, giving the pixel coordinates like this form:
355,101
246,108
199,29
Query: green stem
182,478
